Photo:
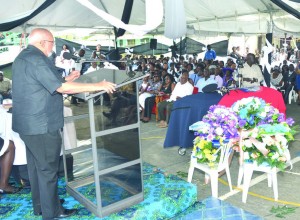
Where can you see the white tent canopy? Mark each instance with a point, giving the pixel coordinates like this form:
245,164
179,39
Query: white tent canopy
218,16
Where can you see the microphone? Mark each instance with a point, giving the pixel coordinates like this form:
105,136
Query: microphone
69,56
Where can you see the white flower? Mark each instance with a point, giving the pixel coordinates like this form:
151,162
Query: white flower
268,140
253,133
198,126
280,138
247,143
245,101
263,114
214,158
199,156
235,107
256,105
246,155
219,131
287,154
205,129
275,156
267,108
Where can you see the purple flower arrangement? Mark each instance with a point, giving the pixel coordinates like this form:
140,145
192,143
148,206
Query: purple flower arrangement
219,123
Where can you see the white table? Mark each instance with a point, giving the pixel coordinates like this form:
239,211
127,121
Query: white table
7,133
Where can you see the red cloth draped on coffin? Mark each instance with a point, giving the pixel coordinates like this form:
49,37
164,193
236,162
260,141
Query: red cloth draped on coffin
271,96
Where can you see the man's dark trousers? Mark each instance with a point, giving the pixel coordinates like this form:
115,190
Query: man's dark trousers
43,152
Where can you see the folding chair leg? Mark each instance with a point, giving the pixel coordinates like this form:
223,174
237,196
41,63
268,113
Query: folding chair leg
190,174
269,179
275,184
228,178
214,184
248,171
240,176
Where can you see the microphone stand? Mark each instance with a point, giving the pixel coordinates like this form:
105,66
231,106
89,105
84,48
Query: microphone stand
239,78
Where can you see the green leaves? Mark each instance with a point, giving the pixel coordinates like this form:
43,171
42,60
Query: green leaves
281,212
181,174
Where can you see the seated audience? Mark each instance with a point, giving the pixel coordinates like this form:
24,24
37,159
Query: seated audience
92,68
150,101
195,74
142,67
234,54
228,80
5,88
215,74
251,73
144,91
177,72
183,88
277,78
206,80
289,78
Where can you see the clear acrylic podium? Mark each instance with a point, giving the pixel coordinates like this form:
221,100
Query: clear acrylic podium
106,174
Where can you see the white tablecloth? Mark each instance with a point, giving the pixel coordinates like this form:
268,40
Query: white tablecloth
69,131
6,132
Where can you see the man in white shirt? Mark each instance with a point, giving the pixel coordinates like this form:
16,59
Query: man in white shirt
251,73
92,68
194,76
182,88
206,80
214,74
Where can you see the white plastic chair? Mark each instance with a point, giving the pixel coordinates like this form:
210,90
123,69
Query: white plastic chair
213,172
246,171
293,95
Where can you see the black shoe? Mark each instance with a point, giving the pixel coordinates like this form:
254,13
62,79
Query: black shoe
66,213
107,114
62,201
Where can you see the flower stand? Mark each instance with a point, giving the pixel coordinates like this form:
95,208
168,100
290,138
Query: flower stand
246,171
213,171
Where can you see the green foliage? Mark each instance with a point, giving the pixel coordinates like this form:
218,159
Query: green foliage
281,212
205,152
181,174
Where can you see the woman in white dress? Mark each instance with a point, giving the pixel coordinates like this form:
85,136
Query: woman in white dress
144,91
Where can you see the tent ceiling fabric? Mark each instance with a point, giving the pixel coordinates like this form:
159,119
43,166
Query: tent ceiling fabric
220,16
